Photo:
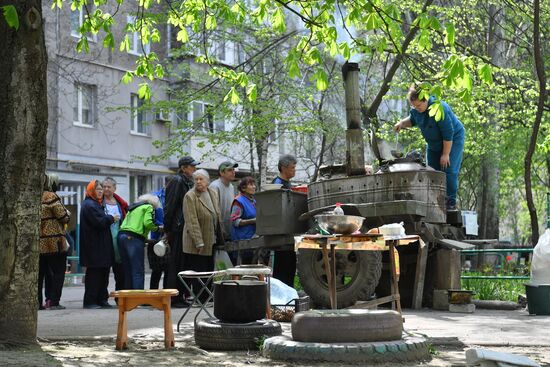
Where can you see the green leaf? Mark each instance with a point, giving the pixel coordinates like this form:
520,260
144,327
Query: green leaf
183,36
372,21
485,73
278,20
235,99
128,77
144,91
108,41
450,34
252,92
322,79
10,14
436,110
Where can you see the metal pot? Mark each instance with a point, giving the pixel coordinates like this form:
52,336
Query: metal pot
240,300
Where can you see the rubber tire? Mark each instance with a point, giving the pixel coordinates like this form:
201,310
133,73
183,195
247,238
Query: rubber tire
346,326
211,334
361,287
409,349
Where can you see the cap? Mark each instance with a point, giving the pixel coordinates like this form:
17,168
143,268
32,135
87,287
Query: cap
187,161
227,164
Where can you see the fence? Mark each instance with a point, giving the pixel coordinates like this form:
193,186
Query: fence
502,253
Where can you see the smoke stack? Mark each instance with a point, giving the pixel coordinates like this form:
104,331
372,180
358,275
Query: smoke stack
355,147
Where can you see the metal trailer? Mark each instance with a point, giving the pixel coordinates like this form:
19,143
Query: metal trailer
403,190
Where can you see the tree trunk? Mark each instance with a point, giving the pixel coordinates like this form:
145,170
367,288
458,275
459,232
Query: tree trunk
540,73
23,122
489,170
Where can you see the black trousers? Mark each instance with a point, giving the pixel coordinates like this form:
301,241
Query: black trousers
284,267
51,274
154,282
95,286
198,263
174,266
118,272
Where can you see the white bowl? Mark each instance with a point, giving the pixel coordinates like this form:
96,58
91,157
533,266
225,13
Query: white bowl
267,187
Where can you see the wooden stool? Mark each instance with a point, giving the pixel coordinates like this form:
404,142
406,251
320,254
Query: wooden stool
129,299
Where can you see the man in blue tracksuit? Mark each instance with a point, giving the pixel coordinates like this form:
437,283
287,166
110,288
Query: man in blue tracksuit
444,138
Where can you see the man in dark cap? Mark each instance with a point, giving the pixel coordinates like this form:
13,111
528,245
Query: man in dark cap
176,189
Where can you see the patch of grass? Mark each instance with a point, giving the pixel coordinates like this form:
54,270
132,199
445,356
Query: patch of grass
432,350
494,289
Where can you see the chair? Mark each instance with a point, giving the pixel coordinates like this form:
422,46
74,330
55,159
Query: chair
204,278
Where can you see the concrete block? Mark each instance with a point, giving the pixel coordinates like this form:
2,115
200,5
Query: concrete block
468,308
441,300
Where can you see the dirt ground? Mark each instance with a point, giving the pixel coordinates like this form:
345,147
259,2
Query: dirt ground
150,353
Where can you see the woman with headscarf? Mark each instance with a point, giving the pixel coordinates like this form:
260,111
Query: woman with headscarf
202,229
243,216
53,246
96,246
135,228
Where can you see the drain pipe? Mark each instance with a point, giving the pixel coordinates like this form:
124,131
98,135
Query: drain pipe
355,147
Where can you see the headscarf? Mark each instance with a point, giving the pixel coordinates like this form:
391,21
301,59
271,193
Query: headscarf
90,191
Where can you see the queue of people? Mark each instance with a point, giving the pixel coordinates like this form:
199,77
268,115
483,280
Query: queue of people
190,214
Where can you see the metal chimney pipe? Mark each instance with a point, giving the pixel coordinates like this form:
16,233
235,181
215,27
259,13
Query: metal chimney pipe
355,147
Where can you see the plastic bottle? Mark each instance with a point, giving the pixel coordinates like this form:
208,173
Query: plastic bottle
338,209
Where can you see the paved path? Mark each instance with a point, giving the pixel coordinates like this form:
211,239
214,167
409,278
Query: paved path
78,337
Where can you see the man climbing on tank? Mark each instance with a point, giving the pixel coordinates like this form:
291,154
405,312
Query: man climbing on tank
444,138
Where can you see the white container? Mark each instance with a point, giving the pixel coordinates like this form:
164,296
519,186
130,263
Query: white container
392,230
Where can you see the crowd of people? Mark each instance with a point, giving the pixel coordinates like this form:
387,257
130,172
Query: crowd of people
190,213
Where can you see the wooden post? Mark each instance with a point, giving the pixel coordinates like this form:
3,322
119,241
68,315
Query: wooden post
420,275
394,275
355,147
329,276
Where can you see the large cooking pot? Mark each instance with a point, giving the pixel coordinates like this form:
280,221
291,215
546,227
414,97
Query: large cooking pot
240,300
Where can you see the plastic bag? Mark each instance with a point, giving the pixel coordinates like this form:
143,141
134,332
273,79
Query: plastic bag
222,260
281,293
540,265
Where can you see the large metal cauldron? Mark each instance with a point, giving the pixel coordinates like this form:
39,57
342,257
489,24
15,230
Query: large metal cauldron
240,301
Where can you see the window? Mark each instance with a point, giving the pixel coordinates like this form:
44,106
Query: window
139,185
83,104
77,19
138,124
136,47
203,117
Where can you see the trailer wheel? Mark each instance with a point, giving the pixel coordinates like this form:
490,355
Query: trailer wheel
357,274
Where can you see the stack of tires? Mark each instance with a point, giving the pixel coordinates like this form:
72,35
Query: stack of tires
239,323
347,336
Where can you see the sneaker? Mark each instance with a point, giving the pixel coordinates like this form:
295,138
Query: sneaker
47,304
180,304
57,307
106,305
92,307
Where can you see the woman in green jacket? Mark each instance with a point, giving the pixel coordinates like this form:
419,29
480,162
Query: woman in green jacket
135,228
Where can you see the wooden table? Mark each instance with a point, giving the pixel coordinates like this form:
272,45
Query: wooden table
129,299
367,242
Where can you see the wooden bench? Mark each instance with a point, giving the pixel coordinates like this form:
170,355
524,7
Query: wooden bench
129,299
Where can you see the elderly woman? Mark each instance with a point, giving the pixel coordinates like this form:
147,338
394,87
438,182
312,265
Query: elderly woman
96,246
243,216
53,246
202,228
135,228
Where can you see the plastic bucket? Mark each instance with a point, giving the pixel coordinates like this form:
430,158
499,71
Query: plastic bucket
538,299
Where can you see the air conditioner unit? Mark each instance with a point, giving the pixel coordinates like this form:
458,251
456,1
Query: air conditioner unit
163,115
